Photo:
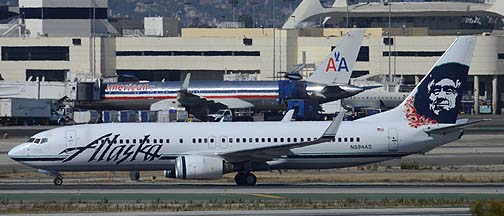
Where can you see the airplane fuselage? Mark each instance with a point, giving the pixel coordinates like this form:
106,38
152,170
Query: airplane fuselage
262,94
155,146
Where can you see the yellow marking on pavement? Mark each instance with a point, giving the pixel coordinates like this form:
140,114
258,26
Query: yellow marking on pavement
268,196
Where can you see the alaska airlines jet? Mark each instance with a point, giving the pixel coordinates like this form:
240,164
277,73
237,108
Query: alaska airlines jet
328,83
427,118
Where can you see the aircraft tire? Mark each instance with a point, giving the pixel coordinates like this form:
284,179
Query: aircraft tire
58,180
245,179
250,179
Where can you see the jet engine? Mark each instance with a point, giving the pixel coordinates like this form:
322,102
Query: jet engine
200,167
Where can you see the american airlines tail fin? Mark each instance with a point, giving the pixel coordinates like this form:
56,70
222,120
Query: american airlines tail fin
437,98
338,65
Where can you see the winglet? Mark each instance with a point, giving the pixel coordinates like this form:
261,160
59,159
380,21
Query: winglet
185,85
288,116
333,128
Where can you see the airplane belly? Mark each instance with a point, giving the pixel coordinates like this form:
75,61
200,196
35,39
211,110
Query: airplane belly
324,162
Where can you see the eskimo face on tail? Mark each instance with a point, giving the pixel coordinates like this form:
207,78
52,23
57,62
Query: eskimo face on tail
443,95
438,97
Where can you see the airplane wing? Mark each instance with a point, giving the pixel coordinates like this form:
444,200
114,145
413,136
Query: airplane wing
271,152
233,103
460,125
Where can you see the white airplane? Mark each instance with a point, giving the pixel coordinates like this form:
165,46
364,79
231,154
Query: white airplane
427,118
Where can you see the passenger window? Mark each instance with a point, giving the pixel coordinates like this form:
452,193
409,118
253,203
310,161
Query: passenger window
288,140
230,140
237,140
257,140
154,141
263,140
223,140
358,139
199,140
269,140
302,139
148,141
211,140
205,140
244,140
127,141
275,140
251,140
309,139
134,140
194,140
295,139
120,141
351,139
181,140
346,139
167,140
282,139
339,139
161,141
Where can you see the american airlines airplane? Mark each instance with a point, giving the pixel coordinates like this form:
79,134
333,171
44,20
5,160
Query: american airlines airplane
427,118
329,82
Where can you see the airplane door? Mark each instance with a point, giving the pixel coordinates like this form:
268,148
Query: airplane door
70,138
393,139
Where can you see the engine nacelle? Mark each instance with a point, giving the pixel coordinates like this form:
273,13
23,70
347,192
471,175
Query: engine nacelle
199,167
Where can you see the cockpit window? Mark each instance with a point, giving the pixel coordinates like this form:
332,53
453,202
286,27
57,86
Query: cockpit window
44,140
37,141
31,140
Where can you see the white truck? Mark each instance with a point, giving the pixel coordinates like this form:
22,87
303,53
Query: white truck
231,115
20,111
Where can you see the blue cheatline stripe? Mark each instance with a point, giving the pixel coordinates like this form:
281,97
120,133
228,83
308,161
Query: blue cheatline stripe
194,92
349,156
38,158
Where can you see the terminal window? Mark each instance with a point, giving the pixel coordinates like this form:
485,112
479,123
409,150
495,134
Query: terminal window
38,53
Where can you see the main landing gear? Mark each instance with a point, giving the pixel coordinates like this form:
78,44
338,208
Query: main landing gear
245,179
58,180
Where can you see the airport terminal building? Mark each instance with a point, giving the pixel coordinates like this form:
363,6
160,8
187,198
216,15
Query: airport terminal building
69,39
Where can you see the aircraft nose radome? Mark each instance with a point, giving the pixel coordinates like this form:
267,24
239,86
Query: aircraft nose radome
14,152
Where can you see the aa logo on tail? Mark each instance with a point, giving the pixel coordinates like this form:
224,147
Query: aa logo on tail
336,64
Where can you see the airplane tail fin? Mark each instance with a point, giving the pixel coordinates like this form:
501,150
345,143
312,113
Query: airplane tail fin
437,98
337,67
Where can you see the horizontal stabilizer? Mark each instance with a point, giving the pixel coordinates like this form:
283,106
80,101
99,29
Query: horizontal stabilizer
455,127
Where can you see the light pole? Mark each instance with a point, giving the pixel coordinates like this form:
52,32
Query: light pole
389,78
233,5
187,5
253,3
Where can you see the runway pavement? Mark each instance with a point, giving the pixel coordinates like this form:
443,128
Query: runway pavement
303,212
315,188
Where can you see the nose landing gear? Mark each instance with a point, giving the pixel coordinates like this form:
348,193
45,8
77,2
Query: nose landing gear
245,179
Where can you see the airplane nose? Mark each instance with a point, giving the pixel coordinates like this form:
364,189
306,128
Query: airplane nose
16,151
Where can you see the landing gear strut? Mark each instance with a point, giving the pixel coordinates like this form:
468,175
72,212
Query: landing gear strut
58,180
245,179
